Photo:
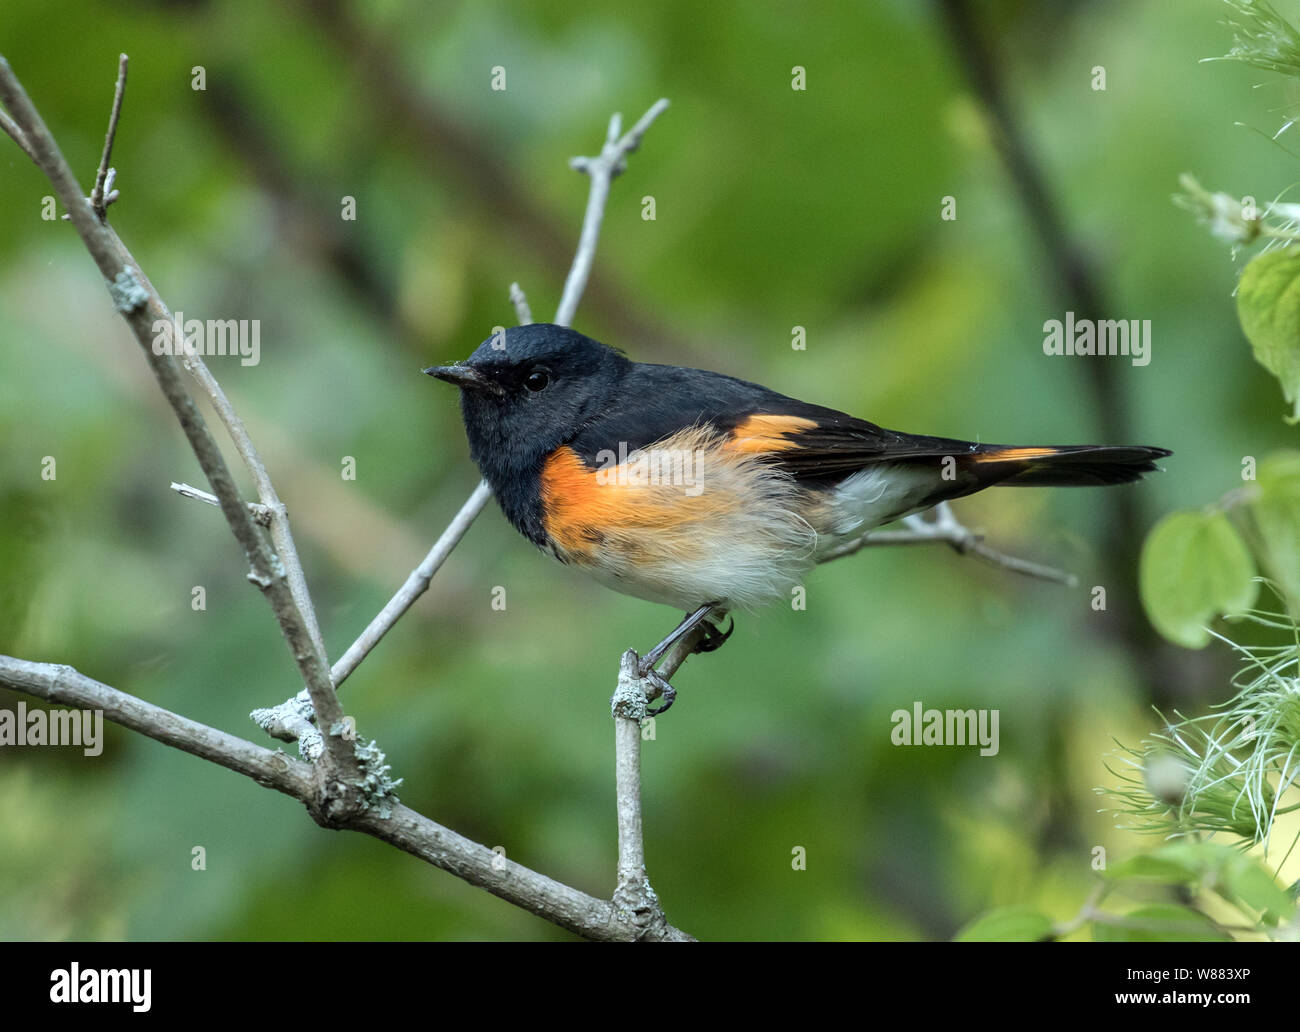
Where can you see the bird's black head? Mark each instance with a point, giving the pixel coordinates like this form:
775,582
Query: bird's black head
523,393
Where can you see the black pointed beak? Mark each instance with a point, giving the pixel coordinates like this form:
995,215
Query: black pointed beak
466,377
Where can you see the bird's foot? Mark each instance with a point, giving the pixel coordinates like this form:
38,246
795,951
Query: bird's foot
711,636
665,691
714,636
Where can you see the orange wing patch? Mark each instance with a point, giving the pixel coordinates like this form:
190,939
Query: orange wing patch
1015,454
767,433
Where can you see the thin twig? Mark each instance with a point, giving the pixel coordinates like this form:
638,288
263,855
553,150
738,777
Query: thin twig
278,522
281,536
1086,913
517,298
946,529
98,200
330,788
260,512
143,309
403,827
1081,290
675,657
416,585
633,896
611,161
434,136
17,135
634,899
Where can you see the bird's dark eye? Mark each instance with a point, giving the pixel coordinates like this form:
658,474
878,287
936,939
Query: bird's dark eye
537,380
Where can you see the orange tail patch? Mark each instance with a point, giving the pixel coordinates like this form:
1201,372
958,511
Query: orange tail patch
1014,454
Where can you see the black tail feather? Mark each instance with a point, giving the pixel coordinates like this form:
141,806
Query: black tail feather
1083,465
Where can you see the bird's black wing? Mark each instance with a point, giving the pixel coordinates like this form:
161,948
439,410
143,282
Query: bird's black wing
810,442
821,446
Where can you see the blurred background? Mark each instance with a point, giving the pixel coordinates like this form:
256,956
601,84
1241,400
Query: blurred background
775,208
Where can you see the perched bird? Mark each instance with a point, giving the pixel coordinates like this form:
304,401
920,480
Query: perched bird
704,492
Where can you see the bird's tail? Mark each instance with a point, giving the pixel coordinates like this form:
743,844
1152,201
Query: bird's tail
1081,465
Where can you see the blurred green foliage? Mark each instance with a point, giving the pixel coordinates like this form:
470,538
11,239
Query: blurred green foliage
775,209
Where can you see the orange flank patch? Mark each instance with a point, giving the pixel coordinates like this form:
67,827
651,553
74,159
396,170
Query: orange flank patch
1016,454
637,510
579,507
767,434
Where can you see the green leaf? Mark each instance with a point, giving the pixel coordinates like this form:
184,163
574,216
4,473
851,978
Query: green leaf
1177,864
1236,876
1244,878
1268,306
1277,517
1194,565
1160,922
1017,923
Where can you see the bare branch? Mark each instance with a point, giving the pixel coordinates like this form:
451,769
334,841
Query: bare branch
277,520
673,660
404,828
140,305
1081,288
63,685
602,169
329,788
293,721
260,512
946,529
416,585
281,535
522,312
434,136
17,135
629,708
103,194
634,897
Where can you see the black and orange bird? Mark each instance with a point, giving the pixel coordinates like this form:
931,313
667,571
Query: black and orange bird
704,492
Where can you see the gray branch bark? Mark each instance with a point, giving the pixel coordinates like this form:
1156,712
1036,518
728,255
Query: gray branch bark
404,828
331,786
140,305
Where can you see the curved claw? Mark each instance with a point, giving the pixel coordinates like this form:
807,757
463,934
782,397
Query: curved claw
666,692
714,637
710,638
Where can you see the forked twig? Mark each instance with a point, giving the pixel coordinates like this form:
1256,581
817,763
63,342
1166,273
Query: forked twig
103,194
